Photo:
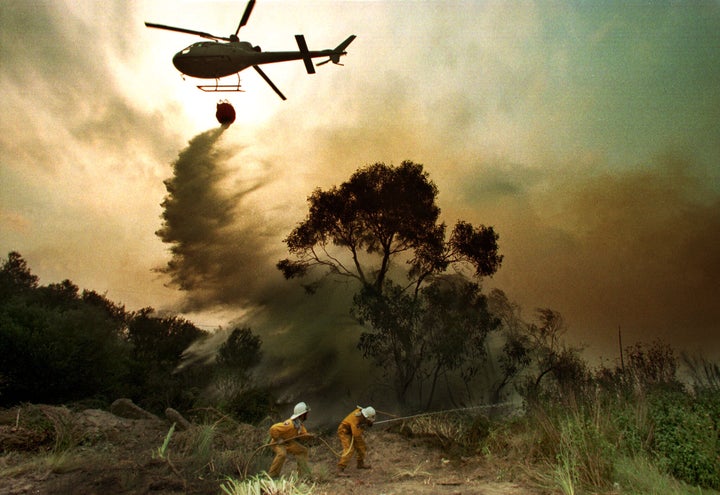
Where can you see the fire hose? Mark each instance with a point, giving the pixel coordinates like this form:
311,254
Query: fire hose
305,435
394,418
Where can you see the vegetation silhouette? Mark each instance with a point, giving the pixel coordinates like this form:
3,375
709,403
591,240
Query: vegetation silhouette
634,424
60,345
422,323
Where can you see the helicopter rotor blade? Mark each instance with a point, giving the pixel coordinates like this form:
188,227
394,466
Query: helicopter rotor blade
267,80
187,31
246,15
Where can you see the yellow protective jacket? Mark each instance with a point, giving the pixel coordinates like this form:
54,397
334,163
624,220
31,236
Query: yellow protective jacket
287,430
353,424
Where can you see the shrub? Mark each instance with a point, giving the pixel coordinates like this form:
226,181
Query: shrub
685,439
250,406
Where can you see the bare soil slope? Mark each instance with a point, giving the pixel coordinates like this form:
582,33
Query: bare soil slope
109,455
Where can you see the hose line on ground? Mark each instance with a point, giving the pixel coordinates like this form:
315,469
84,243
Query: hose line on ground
306,435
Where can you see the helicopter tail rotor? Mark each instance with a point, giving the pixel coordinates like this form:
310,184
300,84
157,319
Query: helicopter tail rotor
338,52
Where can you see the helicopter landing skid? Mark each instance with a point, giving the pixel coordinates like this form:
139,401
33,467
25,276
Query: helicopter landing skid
221,88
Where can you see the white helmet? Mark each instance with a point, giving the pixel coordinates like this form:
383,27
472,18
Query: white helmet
369,413
300,409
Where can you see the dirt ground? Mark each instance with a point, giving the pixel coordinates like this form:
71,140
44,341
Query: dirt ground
110,455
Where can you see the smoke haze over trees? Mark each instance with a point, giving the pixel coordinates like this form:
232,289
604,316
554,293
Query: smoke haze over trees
60,345
421,324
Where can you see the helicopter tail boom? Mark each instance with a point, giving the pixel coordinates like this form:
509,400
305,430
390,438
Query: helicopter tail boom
338,51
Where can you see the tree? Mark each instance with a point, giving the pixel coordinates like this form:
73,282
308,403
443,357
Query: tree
456,322
158,344
548,357
161,340
652,365
383,212
15,276
534,356
394,344
360,230
236,356
54,346
516,350
58,344
422,336
235,359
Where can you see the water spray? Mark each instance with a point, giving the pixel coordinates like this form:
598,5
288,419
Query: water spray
445,411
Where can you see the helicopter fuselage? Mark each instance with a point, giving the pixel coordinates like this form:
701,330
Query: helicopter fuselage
227,55
213,60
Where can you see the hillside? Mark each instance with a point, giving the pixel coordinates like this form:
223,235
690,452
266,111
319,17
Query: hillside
97,452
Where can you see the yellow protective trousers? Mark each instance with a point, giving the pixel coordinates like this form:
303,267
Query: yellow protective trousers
351,445
282,450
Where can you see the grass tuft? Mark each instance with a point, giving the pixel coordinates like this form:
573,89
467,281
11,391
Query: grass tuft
262,484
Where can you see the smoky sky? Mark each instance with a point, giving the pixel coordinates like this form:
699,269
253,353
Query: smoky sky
633,251
585,133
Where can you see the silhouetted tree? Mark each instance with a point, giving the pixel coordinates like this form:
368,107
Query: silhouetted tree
236,357
456,322
360,230
534,356
158,343
161,339
115,311
241,351
515,355
651,365
647,366
15,276
550,357
357,229
395,343
58,344
425,336
54,347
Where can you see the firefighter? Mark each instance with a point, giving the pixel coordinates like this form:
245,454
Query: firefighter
284,441
350,432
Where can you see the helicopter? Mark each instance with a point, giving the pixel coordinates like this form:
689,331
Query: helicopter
215,59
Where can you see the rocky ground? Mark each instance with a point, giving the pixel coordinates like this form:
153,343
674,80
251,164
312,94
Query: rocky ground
106,454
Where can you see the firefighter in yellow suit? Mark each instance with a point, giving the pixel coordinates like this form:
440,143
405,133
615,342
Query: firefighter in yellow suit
284,441
350,432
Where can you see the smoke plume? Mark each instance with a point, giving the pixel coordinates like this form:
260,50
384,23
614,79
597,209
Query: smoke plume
224,249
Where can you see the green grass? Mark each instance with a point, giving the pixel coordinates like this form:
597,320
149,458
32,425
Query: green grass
640,476
263,484
161,451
